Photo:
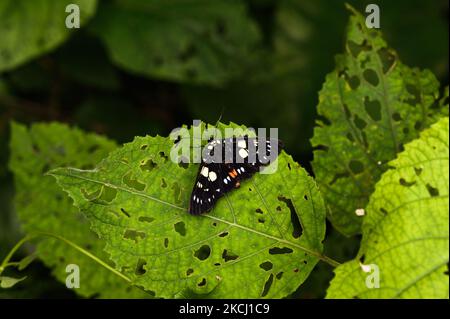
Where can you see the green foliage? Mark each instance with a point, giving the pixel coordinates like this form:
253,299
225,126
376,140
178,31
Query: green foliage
406,230
369,107
43,207
248,246
8,282
197,41
30,28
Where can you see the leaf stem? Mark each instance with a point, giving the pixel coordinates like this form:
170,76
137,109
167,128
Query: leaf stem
34,235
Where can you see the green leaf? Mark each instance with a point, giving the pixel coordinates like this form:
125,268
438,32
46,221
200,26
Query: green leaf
197,41
26,261
42,206
405,232
31,28
369,106
8,282
249,246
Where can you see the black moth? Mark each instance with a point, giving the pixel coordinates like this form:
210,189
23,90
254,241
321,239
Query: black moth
215,178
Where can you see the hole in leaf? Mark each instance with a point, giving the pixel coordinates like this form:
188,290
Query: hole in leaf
203,252
362,258
189,271
354,82
433,191
278,208
359,122
373,108
267,286
224,234
140,270
418,171
387,59
356,166
134,235
295,221
227,256
403,182
305,197
166,242
133,183
202,283
261,220
323,120
148,165
267,265
146,219
280,251
163,183
279,275
383,211
259,211
125,212
180,228
371,77
356,49
296,270
183,163
144,147
396,117
163,156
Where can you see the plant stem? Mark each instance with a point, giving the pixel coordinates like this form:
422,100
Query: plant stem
6,263
13,250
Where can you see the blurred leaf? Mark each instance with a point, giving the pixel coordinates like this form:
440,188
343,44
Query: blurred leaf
195,41
42,206
31,28
84,60
405,232
369,107
25,262
8,282
136,200
116,117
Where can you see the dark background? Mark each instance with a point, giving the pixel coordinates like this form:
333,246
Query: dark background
77,83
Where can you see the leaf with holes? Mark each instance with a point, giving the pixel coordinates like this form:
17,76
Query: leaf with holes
368,108
31,28
261,240
405,233
198,41
42,206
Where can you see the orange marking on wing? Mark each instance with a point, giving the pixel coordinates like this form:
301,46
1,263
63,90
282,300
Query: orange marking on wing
233,173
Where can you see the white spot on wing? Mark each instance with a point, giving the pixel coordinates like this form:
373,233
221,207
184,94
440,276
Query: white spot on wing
212,176
204,171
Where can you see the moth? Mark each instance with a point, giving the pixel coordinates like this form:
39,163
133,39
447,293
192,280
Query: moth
224,173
